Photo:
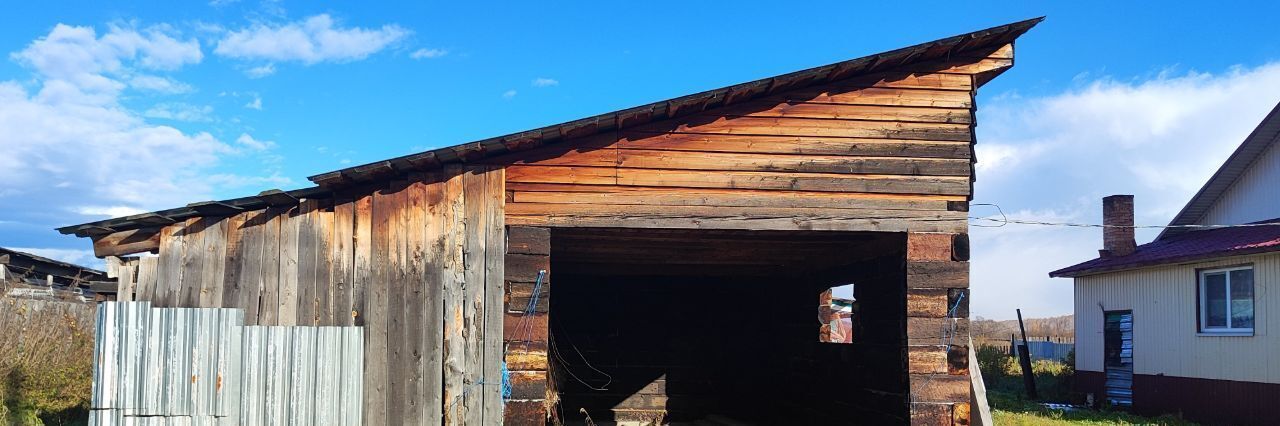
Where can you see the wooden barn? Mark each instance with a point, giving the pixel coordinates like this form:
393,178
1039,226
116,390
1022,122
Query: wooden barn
651,265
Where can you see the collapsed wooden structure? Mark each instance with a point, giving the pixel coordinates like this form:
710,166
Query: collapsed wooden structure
677,248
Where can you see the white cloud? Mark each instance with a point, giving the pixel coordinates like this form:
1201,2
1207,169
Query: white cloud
108,211
261,71
545,82
77,65
249,142
256,103
509,94
428,53
241,181
310,41
69,141
1055,157
77,257
180,111
162,85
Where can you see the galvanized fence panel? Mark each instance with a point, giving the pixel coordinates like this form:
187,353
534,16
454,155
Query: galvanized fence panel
182,366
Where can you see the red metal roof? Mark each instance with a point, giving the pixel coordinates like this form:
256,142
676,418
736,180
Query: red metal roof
1185,247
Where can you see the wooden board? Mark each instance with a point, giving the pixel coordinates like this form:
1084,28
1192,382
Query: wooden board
375,313
771,162
658,196
286,312
169,267
193,257
322,226
216,237
495,251
475,190
816,182
272,251
308,254
450,213
419,301
872,96
233,282
590,215
770,126
147,278
799,145
342,256
401,369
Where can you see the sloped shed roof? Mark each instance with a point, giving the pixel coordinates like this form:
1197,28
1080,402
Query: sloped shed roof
976,41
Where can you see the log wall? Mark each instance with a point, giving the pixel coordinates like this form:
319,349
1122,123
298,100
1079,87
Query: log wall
419,264
884,152
937,313
526,325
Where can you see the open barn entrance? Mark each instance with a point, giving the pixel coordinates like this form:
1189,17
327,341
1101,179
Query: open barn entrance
673,326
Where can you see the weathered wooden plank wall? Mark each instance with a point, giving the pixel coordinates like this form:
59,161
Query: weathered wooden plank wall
419,264
883,152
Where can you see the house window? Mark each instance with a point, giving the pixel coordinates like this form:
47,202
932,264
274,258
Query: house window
837,309
1226,300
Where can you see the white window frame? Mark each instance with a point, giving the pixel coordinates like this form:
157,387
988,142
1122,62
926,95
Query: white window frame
1202,301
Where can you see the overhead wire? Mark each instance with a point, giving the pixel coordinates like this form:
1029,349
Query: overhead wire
1005,220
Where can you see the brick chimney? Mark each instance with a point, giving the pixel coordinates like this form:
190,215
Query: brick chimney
1117,235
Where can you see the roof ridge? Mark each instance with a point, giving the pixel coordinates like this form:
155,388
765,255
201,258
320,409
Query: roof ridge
1247,152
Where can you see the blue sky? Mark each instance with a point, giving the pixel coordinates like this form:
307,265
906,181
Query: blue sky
136,106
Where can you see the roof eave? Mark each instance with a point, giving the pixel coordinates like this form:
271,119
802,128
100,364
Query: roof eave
1069,273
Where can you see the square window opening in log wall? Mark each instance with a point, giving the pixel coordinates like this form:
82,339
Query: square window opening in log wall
837,313
657,326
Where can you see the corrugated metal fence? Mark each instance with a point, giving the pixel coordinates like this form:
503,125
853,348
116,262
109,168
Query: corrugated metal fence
183,366
1046,350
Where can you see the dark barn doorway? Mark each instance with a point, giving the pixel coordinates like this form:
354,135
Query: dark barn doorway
675,326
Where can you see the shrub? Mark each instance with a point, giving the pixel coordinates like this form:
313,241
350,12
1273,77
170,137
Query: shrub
46,361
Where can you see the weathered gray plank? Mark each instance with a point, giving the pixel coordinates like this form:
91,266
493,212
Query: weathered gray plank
475,191
309,235
147,278
494,261
233,279
449,212
126,278
193,256
376,212
322,226
399,374
342,256
272,251
287,295
245,289
412,236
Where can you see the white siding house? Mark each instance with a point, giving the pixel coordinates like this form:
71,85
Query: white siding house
1190,322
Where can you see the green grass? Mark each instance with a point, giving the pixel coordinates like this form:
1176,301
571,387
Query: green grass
1009,406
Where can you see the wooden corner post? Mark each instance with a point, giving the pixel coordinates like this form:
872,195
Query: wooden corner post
525,324
938,328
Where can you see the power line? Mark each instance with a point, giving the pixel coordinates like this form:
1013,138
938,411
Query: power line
1005,220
